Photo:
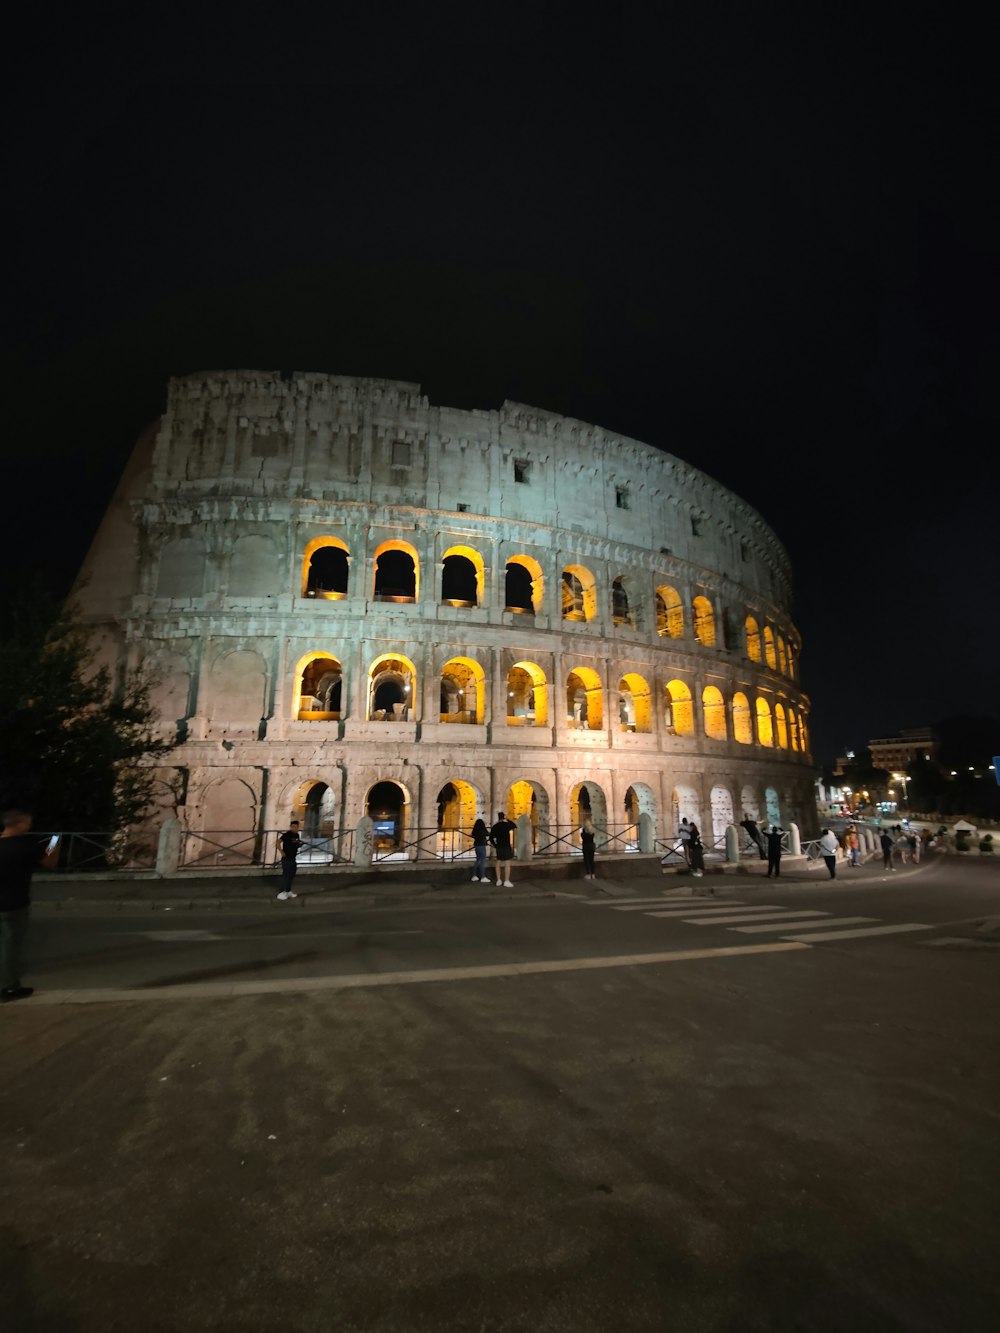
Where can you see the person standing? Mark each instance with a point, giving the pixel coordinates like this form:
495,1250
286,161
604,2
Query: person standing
916,844
20,855
588,845
696,851
290,844
852,845
828,851
684,834
480,842
885,842
774,851
500,838
754,834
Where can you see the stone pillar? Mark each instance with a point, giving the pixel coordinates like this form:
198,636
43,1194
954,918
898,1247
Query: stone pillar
168,851
794,841
733,845
647,833
497,707
363,845
523,850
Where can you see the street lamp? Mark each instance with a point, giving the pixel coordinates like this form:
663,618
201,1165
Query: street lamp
901,777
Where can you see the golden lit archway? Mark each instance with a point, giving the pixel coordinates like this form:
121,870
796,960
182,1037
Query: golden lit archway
679,708
527,696
742,719
523,585
635,704
769,654
713,708
782,657
325,568
317,692
584,699
781,726
669,613
463,576
463,691
765,730
392,684
396,573
753,639
579,595
704,621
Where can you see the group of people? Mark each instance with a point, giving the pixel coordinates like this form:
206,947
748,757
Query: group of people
769,841
907,844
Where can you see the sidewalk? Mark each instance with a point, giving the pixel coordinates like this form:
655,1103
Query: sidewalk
618,876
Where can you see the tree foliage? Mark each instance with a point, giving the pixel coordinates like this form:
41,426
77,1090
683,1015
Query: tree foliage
76,747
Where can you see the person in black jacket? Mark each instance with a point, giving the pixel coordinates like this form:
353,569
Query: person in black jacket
290,844
754,834
500,837
696,851
20,855
774,851
480,842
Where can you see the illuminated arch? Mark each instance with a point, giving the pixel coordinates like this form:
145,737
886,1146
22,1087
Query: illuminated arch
579,594
782,657
395,580
527,696
713,708
669,613
587,800
765,729
679,708
524,584
751,803
742,719
584,699
753,639
314,806
462,571
392,688
622,613
635,713
793,728
781,726
792,662
463,691
769,654
526,797
387,803
325,568
459,805
721,804
772,806
704,621
317,692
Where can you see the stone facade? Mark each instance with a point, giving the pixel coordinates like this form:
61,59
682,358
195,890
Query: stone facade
358,602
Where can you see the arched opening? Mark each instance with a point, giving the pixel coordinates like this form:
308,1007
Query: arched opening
669,613
634,704
704,622
386,806
531,799
750,802
793,728
621,613
579,596
523,585
318,692
462,575
325,568
391,689
804,733
686,805
781,726
679,708
770,657
397,573
527,697
742,719
773,806
462,691
587,801
722,814
584,709
782,657
713,707
459,806
791,662
765,730
639,800
753,638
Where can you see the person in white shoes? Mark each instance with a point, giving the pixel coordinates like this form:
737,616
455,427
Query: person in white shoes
588,845
480,844
500,838
290,844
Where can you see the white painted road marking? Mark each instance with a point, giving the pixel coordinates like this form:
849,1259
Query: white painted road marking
775,926
224,990
745,916
858,934
668,910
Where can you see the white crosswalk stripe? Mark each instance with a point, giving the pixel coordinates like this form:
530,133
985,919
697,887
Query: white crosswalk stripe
858,934
746,917
678,908
776,926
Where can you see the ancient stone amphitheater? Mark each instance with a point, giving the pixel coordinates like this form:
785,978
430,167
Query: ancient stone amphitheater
358,603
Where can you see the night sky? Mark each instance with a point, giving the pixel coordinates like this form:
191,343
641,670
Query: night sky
770,251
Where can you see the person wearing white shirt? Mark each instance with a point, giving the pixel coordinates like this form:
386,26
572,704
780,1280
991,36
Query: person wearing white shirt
828,851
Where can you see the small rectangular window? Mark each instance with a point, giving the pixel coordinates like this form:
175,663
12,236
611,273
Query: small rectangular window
522,469
400,453
622,497
463,509
695,526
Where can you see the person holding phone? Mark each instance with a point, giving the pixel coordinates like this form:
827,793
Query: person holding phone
20,854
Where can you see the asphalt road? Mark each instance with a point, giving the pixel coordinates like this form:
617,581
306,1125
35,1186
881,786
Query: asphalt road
542,1115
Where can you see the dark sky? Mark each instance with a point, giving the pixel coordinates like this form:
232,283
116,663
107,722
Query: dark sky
769,250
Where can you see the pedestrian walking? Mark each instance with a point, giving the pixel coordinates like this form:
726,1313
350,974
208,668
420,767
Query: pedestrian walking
500,838
290,844
852,845
885,842
754,834
828,851
696,851
774,851
20,856
902,847
480,845
916,846
588,846
684,836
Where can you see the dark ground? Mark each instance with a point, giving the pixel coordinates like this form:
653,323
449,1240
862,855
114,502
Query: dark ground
803,1140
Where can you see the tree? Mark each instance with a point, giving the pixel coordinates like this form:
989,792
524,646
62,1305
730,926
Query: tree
76,748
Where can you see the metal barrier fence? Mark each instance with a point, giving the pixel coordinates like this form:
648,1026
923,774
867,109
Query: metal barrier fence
102,851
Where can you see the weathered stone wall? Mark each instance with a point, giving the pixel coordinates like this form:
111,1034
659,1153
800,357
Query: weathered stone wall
202,567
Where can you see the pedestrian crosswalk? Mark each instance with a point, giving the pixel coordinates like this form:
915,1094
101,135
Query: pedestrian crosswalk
805,925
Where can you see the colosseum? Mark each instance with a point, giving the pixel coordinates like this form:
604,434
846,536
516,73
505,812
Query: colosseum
358,604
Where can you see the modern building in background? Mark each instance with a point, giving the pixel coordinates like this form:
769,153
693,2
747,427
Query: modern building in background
904,749
357,602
